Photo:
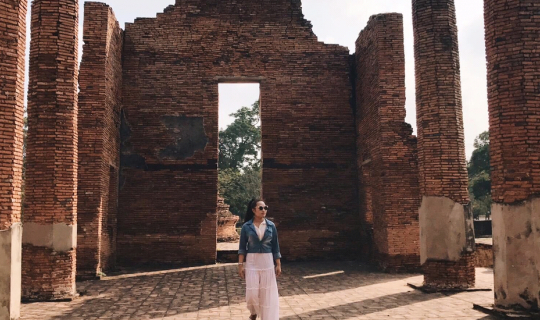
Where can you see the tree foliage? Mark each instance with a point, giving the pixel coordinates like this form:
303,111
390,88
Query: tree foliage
240,142
480,157
238,187
239,178
480,177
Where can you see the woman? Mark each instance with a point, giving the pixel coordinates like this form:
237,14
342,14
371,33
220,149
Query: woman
259,248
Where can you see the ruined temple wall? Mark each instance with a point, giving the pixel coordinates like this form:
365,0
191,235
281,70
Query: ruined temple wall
111,166
514,129
386,147
50,208
100,84
13,45
447,234
172,67
12,65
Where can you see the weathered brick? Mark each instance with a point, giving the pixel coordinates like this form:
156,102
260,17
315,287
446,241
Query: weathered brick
172,67
513,66
100,83
51,176
386,148
514,100
441,149
12,66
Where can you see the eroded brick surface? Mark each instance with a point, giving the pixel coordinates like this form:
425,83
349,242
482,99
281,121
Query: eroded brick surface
46,274
514,101
484,255
513,65
172,67
51,176
12,64
441,150
100,83
387,157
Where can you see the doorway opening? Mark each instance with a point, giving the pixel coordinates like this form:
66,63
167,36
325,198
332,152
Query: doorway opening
239,161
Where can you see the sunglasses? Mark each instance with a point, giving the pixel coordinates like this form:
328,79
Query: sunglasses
263,208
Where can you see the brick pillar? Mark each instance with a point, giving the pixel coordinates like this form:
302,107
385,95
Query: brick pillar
514,128
50,219
100,82
446,227
387,148
12,51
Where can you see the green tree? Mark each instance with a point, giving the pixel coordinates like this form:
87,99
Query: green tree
240,142
480,177
480,157
239,177
238,187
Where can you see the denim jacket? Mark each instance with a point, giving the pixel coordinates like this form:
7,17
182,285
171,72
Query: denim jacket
250,243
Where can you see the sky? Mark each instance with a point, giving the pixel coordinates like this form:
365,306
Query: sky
340,22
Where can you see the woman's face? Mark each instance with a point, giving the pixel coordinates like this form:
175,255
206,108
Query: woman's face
260,213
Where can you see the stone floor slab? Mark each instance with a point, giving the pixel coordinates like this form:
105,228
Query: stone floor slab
317,290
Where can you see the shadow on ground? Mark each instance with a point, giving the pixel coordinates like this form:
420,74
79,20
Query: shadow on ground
172,293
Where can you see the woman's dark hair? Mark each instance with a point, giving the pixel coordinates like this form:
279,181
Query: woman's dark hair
249,212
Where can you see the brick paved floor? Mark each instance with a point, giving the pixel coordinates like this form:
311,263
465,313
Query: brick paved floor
341,290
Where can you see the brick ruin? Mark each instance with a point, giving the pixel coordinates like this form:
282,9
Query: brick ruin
50,206
387,156
172,67
125,172
12,65
446,226
514,128
99,140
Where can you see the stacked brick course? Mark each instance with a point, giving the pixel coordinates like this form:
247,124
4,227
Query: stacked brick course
514,128
450,274
441,151
100,83
12,65
483,255
51,178
13,46
386,148
172,67
155,98
514,101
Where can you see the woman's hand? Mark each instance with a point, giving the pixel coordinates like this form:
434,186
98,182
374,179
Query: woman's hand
278,270
241,271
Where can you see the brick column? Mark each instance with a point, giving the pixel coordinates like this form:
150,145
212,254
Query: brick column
514,128
100,82
12,64
387,148
446,227
50,220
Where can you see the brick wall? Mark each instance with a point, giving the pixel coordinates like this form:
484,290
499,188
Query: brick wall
51,176
445,274
514,127
441,151
513,82
100,84
172,67
12,65
387,157
12,46
484,255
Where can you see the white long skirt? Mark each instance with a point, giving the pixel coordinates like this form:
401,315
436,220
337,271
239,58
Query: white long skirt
261,287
